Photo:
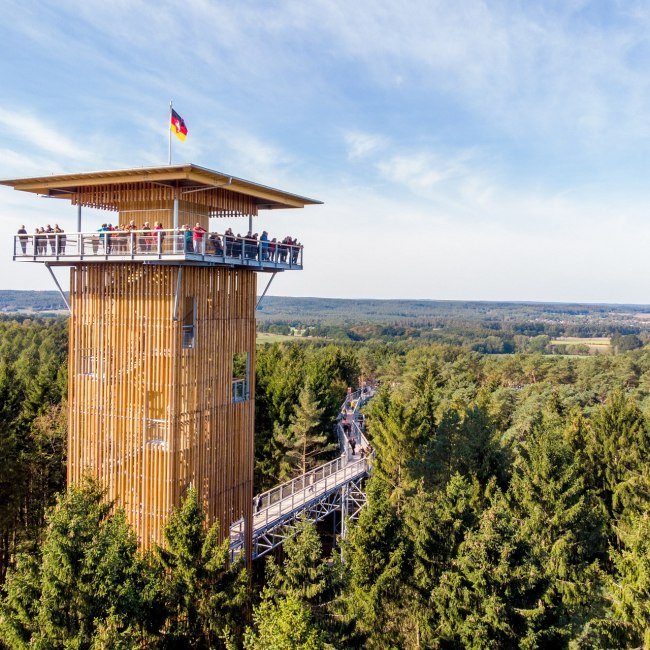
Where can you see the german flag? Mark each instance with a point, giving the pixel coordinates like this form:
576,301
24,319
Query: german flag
177,126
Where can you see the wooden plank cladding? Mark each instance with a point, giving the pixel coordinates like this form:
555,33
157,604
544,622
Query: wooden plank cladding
214,201
150,401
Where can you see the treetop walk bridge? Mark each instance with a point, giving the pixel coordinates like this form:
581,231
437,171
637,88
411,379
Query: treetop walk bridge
336,485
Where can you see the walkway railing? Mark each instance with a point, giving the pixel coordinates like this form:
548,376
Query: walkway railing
284,498
125,245
281,504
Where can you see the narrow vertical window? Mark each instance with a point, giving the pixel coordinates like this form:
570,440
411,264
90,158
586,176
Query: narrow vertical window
189,318
240,376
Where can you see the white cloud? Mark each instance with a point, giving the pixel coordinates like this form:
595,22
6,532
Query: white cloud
361,144
44,136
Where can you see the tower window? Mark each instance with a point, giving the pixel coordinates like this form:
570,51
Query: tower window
240,377
189,319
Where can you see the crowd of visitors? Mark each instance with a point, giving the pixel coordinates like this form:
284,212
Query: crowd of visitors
42,237
129,238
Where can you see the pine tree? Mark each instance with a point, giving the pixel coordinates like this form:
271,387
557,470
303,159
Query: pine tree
88,576
436,524
396,435
376,556
617,449
283,624
564,526
204,594
629,588
303,447
12,487
294,595
304,572
487,598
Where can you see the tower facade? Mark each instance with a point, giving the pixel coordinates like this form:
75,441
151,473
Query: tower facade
162,336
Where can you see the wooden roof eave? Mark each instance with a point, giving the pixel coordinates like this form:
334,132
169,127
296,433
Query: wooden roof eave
39,186
63,186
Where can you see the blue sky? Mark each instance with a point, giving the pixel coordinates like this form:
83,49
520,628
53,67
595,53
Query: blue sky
472,150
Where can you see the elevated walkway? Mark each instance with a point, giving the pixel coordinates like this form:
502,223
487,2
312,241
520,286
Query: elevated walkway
336,485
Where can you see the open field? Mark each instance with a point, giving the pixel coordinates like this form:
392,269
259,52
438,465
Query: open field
269,337
596,345
577,340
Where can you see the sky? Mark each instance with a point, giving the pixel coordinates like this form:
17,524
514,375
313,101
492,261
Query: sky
463,150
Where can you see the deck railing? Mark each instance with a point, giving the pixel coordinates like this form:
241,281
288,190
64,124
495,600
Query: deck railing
157,244
283,499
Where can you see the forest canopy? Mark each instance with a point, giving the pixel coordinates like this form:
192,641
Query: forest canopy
508,506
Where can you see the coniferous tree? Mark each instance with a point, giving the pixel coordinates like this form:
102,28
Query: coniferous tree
396,435
11,470
283,624
87,578
488,597
376,556
617,449
563,524
204,595
303,447
436,524
304,571
629,587
293,599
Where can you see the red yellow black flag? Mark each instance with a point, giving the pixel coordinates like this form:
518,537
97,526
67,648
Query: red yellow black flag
177,125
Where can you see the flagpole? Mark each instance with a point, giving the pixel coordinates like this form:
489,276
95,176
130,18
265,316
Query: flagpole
169,128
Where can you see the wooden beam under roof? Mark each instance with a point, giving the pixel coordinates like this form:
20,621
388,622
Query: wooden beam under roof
64,185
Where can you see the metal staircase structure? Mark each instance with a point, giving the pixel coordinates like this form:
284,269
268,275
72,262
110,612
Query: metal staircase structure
334,486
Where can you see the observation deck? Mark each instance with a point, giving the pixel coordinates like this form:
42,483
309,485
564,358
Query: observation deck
159,247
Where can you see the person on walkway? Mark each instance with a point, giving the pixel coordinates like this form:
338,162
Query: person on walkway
110,238
159,236
197,236
51,238
215,242
229,238
295,250
187,238
23,240
248,245
145,239
60,248
41,241
237,246
264,246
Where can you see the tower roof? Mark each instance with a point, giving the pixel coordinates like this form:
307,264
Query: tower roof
187,179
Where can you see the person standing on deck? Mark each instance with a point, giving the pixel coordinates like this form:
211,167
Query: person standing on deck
51,238
23,240
160,236
264,246
60,248
187,238
198,234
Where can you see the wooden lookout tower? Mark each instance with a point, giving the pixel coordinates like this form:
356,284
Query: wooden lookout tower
162,334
